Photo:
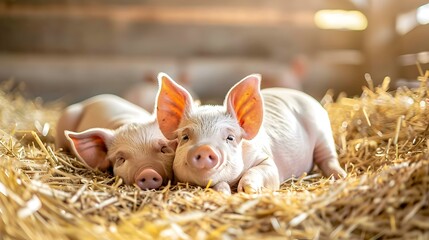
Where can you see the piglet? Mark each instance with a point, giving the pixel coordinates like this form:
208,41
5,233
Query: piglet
256,140
107,131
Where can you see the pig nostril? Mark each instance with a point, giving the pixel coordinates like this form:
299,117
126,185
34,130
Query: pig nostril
198,157
154,179
202,157
149,179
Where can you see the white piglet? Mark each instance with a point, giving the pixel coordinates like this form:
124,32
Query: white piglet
107,131
257,139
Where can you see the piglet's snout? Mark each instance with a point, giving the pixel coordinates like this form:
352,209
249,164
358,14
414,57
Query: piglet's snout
149,179
203,157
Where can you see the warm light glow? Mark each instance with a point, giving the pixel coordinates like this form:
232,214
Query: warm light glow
340,19
406,22
423,14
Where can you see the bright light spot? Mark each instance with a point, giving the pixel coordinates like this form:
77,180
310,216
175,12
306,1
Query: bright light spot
412,58
3,189
408,101
423,57
422,104
406,22
423,14
340,19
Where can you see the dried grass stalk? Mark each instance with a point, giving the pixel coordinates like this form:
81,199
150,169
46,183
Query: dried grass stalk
382,140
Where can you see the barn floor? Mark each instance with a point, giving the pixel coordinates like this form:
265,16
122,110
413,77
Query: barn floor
382,140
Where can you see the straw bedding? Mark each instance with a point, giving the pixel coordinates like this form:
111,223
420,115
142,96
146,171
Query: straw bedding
382,140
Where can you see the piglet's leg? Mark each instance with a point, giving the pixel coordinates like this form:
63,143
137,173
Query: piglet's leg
325,157
264,175
223,187
331,167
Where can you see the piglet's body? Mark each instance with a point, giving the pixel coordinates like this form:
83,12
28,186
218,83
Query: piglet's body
107,131
256,139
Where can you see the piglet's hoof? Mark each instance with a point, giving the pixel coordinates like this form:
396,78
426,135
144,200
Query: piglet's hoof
223,187
250,190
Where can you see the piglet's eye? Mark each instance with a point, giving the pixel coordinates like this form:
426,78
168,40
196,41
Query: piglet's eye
166,149
119,160
185,137
230,138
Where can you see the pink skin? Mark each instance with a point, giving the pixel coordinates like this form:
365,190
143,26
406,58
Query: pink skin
254,141
106,131
203,157
148,179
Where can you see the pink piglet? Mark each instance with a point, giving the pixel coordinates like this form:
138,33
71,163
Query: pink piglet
255,140
107,131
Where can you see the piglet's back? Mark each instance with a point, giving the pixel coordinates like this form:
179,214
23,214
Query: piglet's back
293,120
102,111
110,111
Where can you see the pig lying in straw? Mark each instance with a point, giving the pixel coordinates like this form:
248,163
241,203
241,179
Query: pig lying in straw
257,139
107,131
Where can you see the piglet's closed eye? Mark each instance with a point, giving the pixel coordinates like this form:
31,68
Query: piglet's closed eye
167,147
90,146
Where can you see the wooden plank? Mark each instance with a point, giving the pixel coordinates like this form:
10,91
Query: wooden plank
74,78
196,15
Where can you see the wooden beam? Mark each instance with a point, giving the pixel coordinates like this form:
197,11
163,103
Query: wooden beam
241,16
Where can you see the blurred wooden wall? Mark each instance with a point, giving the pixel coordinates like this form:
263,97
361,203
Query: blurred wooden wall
76,49
385,48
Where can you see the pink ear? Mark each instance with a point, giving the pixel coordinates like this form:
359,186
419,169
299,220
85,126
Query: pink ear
173,101
244,101
90,146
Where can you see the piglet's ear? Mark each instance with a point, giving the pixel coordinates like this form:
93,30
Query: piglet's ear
173,102
90,146
244,101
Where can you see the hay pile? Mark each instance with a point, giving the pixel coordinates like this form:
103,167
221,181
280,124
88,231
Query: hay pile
382,141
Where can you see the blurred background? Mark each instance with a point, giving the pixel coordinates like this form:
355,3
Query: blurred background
70,50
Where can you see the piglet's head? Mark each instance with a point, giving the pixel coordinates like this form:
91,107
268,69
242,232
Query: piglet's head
138,153
209,137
